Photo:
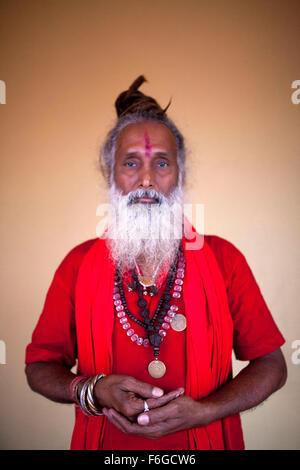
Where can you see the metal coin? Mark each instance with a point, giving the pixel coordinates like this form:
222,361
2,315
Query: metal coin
178,322
146,281
157,369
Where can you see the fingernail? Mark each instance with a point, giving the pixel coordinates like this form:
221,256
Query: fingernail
157,392
143,419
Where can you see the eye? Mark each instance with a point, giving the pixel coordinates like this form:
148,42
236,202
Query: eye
129,164
162,164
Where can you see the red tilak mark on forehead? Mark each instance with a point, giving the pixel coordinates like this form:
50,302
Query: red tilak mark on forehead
147,145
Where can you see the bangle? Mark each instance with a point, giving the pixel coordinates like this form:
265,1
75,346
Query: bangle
90,394
86,399
82,399
74,387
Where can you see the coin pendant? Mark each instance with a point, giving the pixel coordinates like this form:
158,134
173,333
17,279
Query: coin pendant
146,281
157,369
178,322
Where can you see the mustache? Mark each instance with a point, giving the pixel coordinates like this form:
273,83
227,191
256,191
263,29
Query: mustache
134,196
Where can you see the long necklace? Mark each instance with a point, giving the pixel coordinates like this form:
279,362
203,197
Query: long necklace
164,316
148,283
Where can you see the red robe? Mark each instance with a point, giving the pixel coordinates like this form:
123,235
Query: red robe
198,359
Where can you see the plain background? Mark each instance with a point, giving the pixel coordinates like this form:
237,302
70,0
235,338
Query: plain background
228,67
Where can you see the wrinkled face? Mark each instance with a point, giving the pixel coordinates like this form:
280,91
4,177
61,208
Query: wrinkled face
146,158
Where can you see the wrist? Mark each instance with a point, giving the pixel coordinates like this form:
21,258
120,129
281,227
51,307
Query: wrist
82,392
76,386
205,412
99,399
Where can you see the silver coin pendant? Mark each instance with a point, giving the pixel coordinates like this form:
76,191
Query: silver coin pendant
157,369
178,322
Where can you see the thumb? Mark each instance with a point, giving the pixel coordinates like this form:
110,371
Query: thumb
145,390
157,392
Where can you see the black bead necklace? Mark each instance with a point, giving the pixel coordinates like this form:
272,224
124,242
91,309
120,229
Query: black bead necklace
152,326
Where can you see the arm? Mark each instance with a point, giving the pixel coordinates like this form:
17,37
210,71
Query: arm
121,392
255,383
51,380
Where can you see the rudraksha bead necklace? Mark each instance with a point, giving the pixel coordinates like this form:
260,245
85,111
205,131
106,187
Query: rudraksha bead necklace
164,316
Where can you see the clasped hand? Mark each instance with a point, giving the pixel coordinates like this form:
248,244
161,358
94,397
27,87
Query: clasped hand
122,398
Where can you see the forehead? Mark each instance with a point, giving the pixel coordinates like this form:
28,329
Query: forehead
146,133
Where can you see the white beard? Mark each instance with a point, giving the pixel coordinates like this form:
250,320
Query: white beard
144,233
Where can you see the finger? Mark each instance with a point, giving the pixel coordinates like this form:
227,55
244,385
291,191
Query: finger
158,415
158,402
142,389
133,428
139,404
112,419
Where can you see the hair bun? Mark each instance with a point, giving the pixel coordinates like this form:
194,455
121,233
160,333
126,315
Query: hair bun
133,100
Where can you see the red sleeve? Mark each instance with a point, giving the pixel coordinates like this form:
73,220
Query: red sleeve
255,331
54,337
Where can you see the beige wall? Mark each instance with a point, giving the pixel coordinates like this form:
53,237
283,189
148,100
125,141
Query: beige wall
228,66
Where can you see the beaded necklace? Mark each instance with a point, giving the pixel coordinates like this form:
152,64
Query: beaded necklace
165,314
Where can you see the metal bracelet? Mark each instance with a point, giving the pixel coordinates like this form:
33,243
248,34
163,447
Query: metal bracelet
90,394
83,404
74,388
86,399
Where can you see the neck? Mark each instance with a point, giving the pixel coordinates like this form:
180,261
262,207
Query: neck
151,270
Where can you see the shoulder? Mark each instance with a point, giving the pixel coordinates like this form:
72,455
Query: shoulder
70,264
78,252
230,259
224,249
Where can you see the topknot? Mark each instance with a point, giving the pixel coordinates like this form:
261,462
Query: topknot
133,101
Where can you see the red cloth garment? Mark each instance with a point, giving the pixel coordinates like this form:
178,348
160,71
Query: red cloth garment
228,286
131,359
209,335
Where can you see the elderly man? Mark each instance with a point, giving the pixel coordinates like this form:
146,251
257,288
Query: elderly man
151,319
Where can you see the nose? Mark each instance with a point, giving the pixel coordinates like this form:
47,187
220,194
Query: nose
146,178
